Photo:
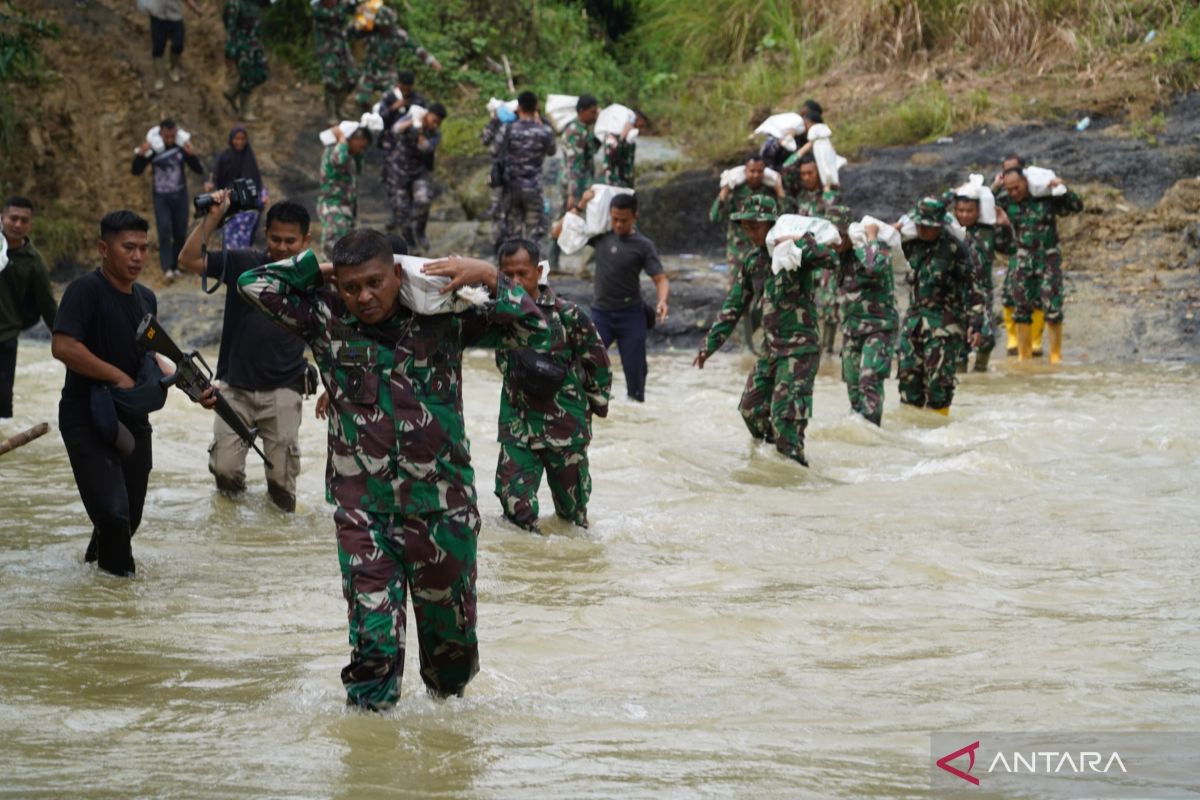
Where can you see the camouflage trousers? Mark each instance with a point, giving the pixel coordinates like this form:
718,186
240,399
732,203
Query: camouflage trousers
247,54
338,72
1038,283
411,198
521,215
382,558
519,475
372,85
1006,295
926,363
828,306
777,401
987,333
336,222
866,363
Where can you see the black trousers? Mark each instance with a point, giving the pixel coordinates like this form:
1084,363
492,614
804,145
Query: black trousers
112,487
8,373
160,31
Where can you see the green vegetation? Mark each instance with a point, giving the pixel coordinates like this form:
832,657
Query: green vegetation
20,37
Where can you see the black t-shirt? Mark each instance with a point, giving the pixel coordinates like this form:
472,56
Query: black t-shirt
105,320
255,353
620,261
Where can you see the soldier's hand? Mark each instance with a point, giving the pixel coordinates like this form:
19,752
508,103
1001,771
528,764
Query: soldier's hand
208,398
187,148
435,64
698,361
723,195
661,310
974,338
872,230
144,148
124,382
322,409
587,197
462,271
1001,217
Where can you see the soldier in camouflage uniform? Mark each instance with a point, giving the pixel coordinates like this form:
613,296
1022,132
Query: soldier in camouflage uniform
549,433
777,402
523,148
331,23
1038,282
944,271
384,42
986,239
580,147
399,467
730,201
337,200
869,318
1006,299
619,156
802,183
244,51
408,173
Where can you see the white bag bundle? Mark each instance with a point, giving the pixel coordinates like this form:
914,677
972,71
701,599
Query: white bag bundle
3,249
787,255
154,137
543,273
596,212
573,237
780,127
370,120
612,121
975,189
1039,182
828,161
887,234
496,103
422,293
560,108
736,176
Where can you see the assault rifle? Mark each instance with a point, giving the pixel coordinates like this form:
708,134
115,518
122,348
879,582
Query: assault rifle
193,380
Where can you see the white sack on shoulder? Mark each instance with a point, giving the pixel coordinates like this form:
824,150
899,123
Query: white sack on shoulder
787,255
422,293
613,119
3,249
887,234
1039,182
780,125
976,190
154,137
369,120
596,213
828,161
560,108
908,228
736,176
495,104
573,236
543,273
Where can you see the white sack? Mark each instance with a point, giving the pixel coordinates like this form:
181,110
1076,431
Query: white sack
573,236
975,189
422,293
3,249
596,212
1039,182
736,176
543,273
154,137
560,108
887,234
788,255
370,120
612,121
495,104
779,125
828,161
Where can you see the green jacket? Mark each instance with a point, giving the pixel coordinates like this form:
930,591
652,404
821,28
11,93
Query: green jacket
868,288
25,294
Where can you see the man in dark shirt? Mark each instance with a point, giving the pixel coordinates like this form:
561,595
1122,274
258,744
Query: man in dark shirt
260,365
95,336
617,307
25,294
523,147
170,190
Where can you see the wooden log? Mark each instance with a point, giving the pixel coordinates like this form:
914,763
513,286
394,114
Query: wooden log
24,438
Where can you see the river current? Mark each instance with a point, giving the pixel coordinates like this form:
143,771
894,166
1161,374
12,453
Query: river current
732,624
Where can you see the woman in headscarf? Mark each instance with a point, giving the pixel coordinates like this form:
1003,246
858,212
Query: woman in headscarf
238,161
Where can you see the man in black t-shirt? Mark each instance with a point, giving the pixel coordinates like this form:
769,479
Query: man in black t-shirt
108,442
618,311
260,366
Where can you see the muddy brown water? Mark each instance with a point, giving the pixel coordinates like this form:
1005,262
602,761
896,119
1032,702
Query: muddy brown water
731,626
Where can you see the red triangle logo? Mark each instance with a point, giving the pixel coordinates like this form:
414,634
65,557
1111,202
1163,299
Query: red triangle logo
969,750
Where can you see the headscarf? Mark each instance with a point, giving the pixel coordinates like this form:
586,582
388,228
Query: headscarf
231,164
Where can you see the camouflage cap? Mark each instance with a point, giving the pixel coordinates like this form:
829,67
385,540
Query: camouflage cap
759,208
931,212
839,216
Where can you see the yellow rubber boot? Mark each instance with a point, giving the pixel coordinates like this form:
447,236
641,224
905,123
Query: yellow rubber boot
1024,342
1055,331
945,412
1037,329
1011,328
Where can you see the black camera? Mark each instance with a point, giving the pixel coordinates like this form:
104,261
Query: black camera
243,196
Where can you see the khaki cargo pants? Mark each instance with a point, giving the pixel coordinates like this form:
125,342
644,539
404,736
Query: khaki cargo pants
276,413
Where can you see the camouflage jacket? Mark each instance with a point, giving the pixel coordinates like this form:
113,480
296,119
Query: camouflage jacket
789,315
618,162
339,176
737,243
383,47
524,145
491,136
1035,223
331,30
411,154
397,440
807,202
944,286
579,151
566,421
242,19
868,289
987,239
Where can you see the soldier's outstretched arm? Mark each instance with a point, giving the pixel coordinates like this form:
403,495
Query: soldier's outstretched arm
1069,203
287,292
509,319
736,302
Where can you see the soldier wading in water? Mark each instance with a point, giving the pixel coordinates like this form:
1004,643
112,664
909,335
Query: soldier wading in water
399,463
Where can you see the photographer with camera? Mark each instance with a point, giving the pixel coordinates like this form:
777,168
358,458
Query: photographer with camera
260,366
238,162
167,157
